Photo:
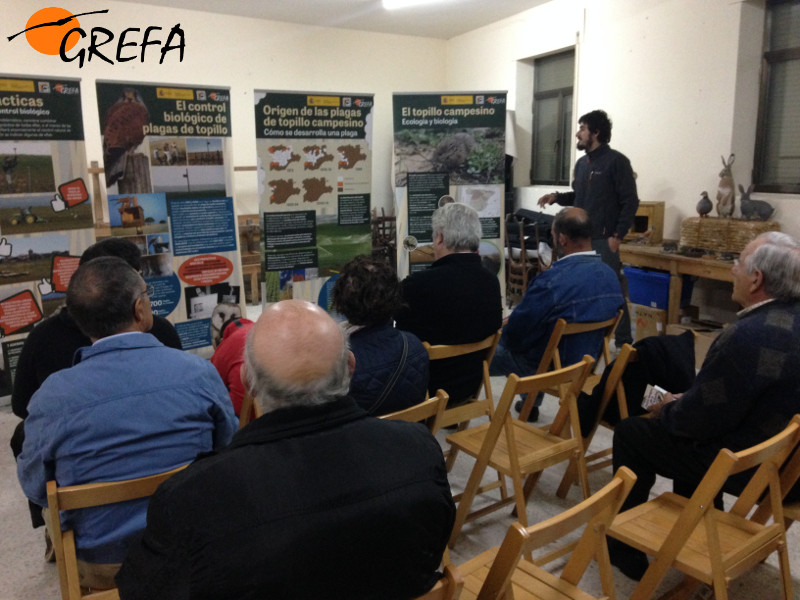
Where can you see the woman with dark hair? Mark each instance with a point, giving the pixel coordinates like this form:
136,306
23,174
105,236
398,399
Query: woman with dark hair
391,365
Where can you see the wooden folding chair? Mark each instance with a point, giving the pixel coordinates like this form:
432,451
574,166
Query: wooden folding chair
429,410
476,407
551,357
516,448
249,411
447,588
709,545
75,497
602,458
505,572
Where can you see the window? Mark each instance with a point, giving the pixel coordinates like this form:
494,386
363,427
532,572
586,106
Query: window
553,77
777,153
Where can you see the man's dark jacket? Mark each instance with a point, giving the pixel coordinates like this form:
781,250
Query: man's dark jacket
306,502
455,301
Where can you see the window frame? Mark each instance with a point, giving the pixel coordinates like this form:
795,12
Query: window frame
564,151
768,59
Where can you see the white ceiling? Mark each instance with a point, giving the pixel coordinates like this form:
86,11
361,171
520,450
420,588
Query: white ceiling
443,20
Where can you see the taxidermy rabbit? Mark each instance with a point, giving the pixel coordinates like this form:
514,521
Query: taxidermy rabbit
754,210
726,192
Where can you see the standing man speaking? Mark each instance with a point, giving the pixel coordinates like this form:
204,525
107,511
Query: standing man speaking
605,187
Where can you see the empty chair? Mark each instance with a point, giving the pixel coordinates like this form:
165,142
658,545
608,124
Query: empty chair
515,448
505,572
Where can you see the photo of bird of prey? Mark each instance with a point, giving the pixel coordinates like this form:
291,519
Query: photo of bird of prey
123,131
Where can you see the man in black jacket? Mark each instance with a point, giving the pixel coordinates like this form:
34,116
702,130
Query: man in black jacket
314,499
604,185
455,301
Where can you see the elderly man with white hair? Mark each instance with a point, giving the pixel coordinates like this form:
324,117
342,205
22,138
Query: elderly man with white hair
314,499
747,390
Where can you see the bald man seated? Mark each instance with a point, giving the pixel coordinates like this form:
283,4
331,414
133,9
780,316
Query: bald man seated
314,499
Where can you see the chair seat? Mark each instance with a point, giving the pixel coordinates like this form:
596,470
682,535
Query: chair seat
528,582
647,525
536,448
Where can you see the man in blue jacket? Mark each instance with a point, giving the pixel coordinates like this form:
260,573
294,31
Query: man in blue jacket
128,408
579,288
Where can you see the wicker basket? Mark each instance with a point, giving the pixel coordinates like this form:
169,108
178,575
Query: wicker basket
722,235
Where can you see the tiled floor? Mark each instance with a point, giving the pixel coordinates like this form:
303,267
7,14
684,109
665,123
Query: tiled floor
25,575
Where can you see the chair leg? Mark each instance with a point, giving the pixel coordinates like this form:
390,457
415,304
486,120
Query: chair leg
527,489
470,490
786,574
570,475
521,500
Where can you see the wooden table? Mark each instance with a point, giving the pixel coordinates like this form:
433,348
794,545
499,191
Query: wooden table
677,266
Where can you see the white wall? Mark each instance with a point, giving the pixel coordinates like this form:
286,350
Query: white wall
679,79
243,54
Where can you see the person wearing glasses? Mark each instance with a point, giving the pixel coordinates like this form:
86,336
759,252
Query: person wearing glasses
129,407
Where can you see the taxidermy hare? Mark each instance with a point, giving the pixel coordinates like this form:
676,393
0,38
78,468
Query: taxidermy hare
726,192
754,210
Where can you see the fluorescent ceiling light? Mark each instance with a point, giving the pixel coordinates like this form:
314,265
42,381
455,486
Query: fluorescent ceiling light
398,4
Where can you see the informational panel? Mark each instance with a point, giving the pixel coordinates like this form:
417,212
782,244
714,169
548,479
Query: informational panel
315,175
168,174
448,147
46,216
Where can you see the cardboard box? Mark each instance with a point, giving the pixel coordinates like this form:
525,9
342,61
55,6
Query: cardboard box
646,321
704,335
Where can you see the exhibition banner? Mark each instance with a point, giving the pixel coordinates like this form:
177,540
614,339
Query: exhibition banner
46,216
315,176
448,147
168,175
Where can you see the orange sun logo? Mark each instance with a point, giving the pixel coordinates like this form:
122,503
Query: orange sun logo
47,39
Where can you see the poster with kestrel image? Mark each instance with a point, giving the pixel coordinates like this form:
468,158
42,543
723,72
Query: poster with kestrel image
168,175
315,179
164,138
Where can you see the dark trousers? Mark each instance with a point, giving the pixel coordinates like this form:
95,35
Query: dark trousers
648,449
623,333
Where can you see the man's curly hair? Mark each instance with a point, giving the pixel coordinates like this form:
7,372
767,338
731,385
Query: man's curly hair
367,291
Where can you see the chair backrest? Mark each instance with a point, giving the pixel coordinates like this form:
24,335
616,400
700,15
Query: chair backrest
596,513
626,356
469,410
789,476
562,329
569,380
75,497
429,410
249,409
447,588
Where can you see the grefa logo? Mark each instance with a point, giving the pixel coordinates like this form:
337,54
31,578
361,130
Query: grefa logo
56,31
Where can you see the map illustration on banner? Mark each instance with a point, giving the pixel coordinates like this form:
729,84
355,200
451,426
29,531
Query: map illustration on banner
46,212
448,147
168,173
315,175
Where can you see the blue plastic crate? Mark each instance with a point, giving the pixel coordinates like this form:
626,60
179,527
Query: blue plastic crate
651,287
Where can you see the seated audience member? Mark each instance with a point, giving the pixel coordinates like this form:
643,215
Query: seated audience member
579,288
228,337
129,407
314,499
51,346
747,390
391,365
455,301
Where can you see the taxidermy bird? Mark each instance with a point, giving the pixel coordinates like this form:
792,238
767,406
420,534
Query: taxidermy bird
452,152
123,131
754,210
705,205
